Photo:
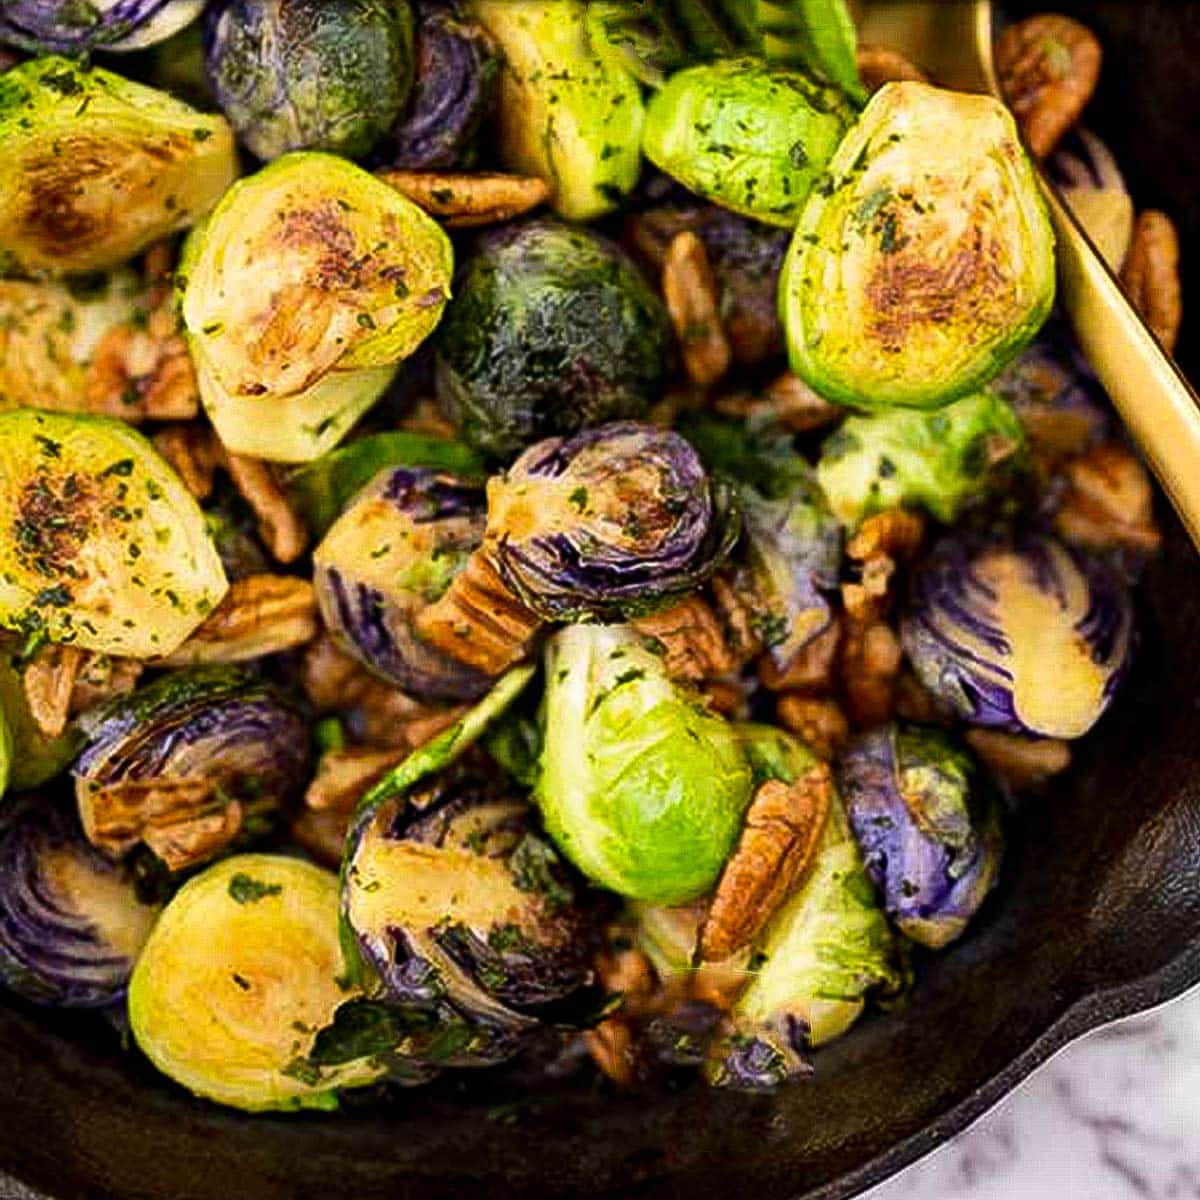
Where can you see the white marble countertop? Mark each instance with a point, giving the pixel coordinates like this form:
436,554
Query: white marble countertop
1115,1116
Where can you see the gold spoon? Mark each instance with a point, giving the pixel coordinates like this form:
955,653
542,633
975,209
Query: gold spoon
952,40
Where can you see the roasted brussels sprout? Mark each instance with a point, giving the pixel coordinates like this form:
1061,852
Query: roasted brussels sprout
322,489
72,27
551,329
6,751
96,168
924,261
564,114
1019,634
927,820
752,137
242,969
101,543
611,523
189,764
454,91
357,278
941,461
30,757
310,74
1092,185
640,785
453,896
71,923
393,551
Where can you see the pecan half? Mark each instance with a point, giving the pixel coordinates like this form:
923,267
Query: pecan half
478,620
737,620
48,680
101,677
281,529
812,670
612,1047
259,615
1048,67
1109,502
819,723
878,65
689,637
897,533
194,452
778,840
322,834
463,200
726,698
139,374
1021,762
694,305
870,666
343,775
1151,276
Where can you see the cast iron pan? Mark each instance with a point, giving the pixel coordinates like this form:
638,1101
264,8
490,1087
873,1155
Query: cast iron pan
1098,916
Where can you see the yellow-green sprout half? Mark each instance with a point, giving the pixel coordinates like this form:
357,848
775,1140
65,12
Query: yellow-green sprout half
924,260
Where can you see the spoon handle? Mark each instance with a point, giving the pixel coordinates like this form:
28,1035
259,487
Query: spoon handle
1154,400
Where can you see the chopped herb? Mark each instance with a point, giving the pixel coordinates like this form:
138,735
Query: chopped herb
246,890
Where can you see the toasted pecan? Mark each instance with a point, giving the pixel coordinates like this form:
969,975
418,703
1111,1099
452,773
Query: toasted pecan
1021,762
101,677
344,775
689,637
694,305
1151,276
878,65
1109,502
461,199
195,453
281,528
895,532
812,669
820,723
48,680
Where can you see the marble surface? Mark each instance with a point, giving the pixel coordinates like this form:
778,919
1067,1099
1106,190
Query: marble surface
1115,1116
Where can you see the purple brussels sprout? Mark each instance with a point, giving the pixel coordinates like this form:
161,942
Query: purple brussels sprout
927,820
610,523
71,922
69,27
1019,634
394,551
454,899
454,89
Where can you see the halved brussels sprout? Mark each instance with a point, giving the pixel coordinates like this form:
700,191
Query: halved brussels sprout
241,971
564,114
942,461
457,72
189,764
747,135
75,27
927,820
1019,634
101,545
71,924
924,261
30,757
322,489
640,786
552,330
611,523
453,897
395,550
310,74
356,278
97,167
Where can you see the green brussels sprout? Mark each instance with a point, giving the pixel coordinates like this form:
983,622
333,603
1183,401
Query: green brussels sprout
924,261
641,786
101,544
32,758
752,137
239,973
310,74
307,285
565,115
552,330
96,168
940,461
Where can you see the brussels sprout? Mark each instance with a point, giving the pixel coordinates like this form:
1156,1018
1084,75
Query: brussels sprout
640,786
30,758
240,972
927,820
564,115
749,136
822,952
611,523
818,35
791,543
97,168
72,27
552,329
1019,634
940,461
924,261
320,490
356,279
394,551
1091,183
453,897
309,74
189,764
457,74
71,924
101,544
